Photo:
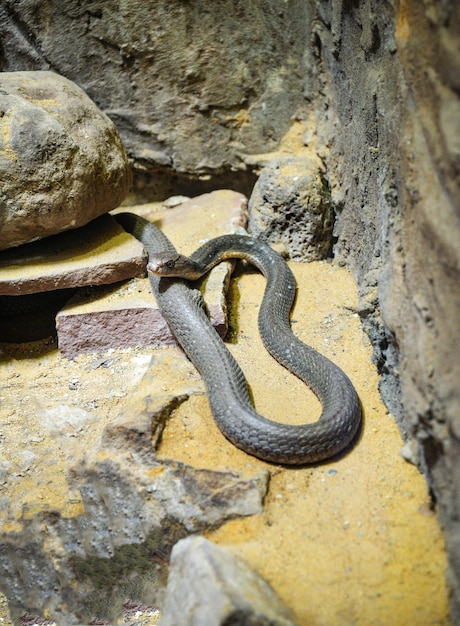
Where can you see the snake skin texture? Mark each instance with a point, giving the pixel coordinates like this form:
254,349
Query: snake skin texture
228,395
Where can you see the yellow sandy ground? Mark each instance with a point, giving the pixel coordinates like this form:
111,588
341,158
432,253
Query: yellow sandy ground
350,542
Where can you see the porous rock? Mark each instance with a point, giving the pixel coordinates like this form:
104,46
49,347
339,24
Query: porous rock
208,586
61,159
290,208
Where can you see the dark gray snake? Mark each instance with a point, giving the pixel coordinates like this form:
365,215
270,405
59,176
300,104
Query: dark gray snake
225,382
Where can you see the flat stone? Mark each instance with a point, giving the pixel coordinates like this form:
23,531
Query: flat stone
127,315
122,315
110,530
169,380
209,586
99,253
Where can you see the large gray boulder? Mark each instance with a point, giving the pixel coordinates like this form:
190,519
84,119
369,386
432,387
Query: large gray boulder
62,162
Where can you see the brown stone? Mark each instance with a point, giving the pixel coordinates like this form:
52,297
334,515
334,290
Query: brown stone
96,254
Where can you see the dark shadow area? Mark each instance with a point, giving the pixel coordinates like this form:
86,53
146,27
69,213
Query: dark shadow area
31,316
159,185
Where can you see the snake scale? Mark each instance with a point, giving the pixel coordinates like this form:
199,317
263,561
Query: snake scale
226,385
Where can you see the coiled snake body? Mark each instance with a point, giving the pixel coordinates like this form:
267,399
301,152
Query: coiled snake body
225,382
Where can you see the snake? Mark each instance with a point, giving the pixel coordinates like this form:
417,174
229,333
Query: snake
226,386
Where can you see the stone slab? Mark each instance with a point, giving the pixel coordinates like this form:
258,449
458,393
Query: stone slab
99,253
126,315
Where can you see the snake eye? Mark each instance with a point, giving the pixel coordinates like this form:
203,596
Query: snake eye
169,264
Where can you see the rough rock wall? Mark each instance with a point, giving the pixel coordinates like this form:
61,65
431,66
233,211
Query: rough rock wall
193,87
389,126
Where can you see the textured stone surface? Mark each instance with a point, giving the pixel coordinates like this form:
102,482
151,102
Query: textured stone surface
388,130
123,315
74,567
383,89
208,586
187,95
127,315
120,512
99,253
290,207
61,160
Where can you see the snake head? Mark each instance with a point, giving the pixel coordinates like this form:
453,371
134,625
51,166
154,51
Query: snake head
173,266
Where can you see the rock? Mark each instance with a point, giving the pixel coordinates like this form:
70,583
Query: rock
126,517
385,105
168,381
208,586
127,315
99,253
388,113
110,536
122,315
191,111
290,208
37,279
61,160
